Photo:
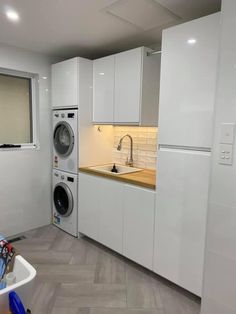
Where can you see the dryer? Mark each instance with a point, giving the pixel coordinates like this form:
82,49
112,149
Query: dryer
65,140
65,208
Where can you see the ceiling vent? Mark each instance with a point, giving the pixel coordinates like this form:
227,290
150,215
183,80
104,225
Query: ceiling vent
144,14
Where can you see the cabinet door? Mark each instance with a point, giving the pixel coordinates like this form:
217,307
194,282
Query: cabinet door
64,84
111,214
188,80
89,205
139,207
103,89
128,71
181,211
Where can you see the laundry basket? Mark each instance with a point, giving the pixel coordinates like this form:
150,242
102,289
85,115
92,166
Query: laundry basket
25,275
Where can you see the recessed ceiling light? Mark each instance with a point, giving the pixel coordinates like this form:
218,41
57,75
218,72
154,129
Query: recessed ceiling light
101,73
12,15
192,41
44,77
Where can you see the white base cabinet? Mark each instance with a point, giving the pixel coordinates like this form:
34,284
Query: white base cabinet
139,216
118,215
100,210
110,214
89,204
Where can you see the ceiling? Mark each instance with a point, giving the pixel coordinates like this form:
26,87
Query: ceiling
94,28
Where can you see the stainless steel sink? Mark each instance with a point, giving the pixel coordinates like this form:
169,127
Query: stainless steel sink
120,168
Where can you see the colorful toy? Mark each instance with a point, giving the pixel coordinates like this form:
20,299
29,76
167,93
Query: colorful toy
7,253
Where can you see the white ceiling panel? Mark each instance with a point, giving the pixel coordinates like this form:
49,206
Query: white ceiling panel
145,14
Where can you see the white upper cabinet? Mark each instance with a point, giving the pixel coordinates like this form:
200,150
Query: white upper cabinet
188,80
128,71
129,94
103,89
64,84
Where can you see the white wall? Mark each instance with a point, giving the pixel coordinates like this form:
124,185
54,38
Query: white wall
219,293
25,176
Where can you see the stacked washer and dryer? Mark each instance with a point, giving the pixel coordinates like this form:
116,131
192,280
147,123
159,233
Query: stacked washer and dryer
65,170
72,82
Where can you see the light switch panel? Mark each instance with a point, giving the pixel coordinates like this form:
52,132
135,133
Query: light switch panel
226,154
227,133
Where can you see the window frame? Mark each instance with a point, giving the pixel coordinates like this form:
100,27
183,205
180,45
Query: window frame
34,110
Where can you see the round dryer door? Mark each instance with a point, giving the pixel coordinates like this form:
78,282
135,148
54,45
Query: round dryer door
63,139
63,199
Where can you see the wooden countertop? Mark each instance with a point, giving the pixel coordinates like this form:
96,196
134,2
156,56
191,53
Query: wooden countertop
145,178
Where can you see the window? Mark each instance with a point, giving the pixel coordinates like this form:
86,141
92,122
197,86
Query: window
17,108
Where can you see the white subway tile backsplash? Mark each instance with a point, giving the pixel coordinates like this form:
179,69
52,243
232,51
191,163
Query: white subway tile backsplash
144,148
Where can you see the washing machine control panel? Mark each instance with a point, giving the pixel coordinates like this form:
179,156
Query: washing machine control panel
70,115
69,179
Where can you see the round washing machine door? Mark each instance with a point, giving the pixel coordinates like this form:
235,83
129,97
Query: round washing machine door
63,139
63,199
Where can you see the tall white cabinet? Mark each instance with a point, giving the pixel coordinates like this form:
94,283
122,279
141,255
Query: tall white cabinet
187,90
126,88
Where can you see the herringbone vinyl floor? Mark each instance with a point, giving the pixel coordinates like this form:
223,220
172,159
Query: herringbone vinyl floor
79,276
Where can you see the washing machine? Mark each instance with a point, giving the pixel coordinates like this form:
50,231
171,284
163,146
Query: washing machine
65,140
65,208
